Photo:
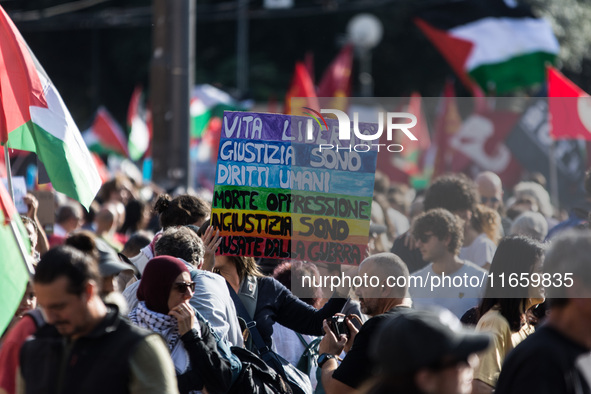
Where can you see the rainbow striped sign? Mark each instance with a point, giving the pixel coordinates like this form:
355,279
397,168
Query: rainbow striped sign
278,195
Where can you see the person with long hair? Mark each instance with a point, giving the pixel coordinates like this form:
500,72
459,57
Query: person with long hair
268,301
503,309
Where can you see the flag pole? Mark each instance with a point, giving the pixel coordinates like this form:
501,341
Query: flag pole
553,175
21,247
8,171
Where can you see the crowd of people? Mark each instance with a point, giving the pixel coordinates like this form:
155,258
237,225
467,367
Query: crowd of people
130,296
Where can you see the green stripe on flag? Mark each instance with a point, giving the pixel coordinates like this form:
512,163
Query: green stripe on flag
514,73
68,173
13,272
21,138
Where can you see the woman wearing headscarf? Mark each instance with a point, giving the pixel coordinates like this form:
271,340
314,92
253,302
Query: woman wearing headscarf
164,294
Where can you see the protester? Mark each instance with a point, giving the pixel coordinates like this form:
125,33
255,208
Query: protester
28,303
579,215
180,211
503,309
379,302
164,294
289,344
106,226
42,244
439,237
85,346
137,217
68,219
136,242
424,352
267,301
530,224
540,196
210,296
555,359
458,194
490,189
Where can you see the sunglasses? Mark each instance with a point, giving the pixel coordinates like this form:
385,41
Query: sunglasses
484,200
424,238
182,287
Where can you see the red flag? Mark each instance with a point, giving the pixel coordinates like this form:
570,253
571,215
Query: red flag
447,124
20,86
409,159
569,108
109,133
336,81
303,88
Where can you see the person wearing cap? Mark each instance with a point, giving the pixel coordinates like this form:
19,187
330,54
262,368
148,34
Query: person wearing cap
86,347
556,358
109,263
379,302
164,293
424,352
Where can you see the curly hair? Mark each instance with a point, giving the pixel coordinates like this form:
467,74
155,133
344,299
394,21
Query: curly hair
487,220
454,192
442,224
181,242
181,210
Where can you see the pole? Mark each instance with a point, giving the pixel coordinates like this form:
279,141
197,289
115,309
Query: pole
8,171
171,81
553,176
242,49
21,247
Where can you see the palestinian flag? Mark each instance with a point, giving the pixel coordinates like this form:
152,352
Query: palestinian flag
105,135
501,48
208,102
34,118
139,123
569,108
14,271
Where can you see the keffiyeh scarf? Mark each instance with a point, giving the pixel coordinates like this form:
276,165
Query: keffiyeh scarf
167,327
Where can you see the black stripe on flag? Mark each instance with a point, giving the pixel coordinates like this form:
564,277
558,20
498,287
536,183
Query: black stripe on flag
455,13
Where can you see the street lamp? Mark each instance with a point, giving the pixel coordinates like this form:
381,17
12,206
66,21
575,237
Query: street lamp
365,32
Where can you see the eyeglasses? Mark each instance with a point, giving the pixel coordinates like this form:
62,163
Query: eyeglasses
424,238
182,287
493,200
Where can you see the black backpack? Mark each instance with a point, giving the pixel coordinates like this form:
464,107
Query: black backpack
256,377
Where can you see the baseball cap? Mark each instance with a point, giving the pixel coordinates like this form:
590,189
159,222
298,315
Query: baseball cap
426,338
109,262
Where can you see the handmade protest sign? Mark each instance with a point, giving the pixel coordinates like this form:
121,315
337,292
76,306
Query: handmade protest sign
279,195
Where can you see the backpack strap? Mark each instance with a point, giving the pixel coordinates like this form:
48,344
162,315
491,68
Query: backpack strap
257,339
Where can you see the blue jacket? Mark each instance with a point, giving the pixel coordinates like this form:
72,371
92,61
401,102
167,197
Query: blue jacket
275,303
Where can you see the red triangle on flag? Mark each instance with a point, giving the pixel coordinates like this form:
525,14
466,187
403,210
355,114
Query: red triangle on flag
454,50
20,85
569,108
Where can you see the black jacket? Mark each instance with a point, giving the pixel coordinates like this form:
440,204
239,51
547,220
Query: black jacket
95,363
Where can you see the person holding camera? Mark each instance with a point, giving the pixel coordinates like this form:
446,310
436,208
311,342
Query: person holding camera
380,302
